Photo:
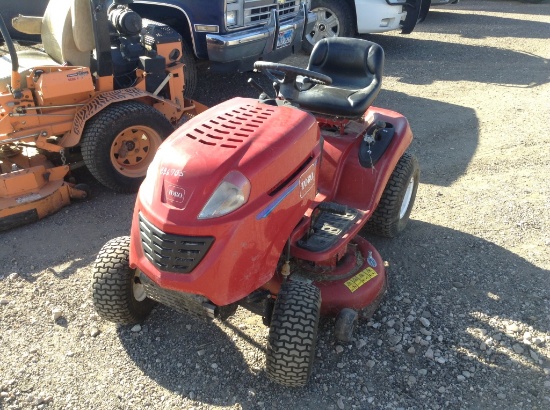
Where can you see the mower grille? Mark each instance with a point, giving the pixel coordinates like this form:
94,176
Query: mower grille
232,128
172,253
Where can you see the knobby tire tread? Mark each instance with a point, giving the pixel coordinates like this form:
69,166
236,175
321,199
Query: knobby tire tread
97,138
112,291
385,219
293,334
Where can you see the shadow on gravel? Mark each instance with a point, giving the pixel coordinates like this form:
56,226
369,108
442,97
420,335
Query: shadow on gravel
190,357
423,62
445,146
482,26
485,305
502,6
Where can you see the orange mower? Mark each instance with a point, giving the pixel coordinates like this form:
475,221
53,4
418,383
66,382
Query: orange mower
105,92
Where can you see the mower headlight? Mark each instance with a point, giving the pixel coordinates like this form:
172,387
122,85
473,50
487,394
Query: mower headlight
230,195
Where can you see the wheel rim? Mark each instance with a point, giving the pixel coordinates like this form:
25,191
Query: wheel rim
139,290
133,149
407,198
327,25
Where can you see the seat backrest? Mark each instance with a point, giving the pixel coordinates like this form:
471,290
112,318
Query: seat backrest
67,33
352,63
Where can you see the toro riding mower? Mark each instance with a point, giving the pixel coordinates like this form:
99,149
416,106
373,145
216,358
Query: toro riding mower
260,203
106,91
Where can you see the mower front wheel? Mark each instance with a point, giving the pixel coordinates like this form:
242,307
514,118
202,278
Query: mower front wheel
119,143
293,334
394,209
117,293
344,325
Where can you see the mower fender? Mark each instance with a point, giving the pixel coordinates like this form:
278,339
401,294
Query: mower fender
99,102
353,173
361,291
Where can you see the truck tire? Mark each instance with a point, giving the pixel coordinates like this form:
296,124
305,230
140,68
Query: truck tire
293,334
119,143
116,294
189,70
334,19
392,213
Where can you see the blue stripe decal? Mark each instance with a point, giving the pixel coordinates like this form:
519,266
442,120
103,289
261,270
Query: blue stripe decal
265,213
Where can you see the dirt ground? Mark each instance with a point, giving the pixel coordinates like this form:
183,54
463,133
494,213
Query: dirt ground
474,82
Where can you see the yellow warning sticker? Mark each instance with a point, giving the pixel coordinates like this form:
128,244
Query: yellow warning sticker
360,279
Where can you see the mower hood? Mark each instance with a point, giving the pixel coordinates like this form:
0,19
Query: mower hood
264,143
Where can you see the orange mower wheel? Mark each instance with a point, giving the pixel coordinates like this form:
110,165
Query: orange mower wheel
119,143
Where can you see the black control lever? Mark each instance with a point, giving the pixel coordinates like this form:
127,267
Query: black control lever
263,93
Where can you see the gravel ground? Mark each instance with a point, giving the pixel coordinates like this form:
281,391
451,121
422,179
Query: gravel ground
465,323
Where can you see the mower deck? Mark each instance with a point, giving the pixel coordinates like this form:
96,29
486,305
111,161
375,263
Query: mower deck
31,193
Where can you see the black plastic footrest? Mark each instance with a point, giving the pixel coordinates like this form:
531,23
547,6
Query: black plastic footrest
328,228
333,207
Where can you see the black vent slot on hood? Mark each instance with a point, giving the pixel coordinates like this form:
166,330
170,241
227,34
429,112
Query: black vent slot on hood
169,252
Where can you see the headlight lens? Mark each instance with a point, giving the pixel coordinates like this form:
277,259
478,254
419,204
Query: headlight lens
231,194
231,18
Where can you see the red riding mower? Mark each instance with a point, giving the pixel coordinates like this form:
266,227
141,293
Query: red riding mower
260,204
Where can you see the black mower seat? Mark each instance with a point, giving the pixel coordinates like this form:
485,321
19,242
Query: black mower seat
355,67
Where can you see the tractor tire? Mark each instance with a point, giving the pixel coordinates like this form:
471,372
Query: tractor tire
189,70
116,293
394,209
293,334
119,143
334,19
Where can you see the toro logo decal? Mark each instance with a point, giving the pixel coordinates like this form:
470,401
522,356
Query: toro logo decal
174,193
307,180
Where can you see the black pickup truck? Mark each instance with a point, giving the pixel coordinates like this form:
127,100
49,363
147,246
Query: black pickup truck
228,35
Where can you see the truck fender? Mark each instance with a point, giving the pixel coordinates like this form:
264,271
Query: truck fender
147,3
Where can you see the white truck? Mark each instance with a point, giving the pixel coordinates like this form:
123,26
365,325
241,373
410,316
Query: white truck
345,18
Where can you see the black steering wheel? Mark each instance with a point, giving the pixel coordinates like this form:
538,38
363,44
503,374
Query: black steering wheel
289,73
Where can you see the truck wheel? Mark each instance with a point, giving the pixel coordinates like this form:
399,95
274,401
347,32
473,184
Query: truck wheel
190,70
392,214
293,334
117,294
334,19
119,143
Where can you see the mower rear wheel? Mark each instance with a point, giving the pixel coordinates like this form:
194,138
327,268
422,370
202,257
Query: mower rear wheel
119,143
293,334
117,294
394,209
